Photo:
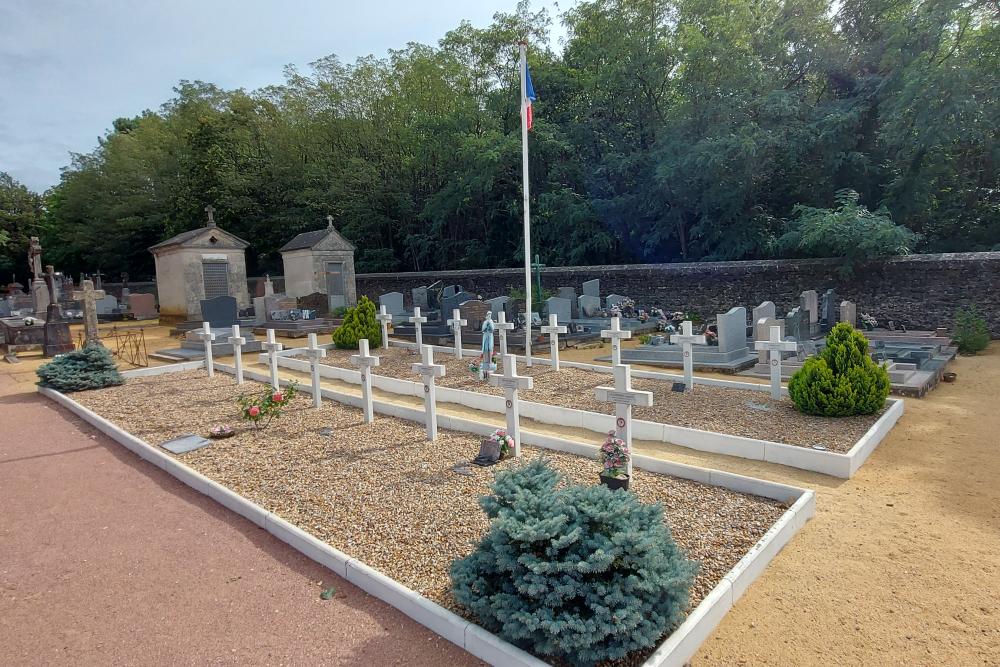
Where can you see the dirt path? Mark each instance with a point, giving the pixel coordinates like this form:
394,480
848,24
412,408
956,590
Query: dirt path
105,559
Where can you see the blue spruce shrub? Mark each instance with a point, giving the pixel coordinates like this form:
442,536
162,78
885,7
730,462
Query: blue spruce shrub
92,367
580,574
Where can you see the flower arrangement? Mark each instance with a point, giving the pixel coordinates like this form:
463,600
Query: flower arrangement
221,431
506,442
261,409
30,321
475,366
627,306
614,456
868,321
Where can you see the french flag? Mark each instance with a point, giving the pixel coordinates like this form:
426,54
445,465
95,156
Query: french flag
529,94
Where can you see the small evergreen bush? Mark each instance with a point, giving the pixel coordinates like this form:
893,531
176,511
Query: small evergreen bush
971,335
359,322
91,367
843,380
580,574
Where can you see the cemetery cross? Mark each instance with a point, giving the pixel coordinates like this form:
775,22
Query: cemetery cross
272,347
624,397
553,330
89,296
775,347
238,342
616,334
456,323
428,370
417,321
510,382
207,337
315,353
686,338
503,326
385,318
365,361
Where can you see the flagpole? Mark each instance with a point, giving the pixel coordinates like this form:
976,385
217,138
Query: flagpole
527,207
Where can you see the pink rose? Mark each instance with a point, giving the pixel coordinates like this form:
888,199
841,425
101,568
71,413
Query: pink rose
277,397
253,411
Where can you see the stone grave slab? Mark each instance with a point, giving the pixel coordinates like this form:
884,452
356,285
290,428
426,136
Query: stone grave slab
107,305
589,305
497,305
221,311
185,443
733,329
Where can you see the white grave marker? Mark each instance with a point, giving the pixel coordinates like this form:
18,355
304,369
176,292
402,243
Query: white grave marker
385,318
273,348
616,334
687,338
238,342
206,336
366,362
456,323
624,397
510,382
428,370
553,330
417,322
503,326
775,347
315,353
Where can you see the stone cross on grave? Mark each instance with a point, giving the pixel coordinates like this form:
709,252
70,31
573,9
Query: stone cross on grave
89,296
315,353
553,330
272,347
775,347
365,361
616,334
624,397
238,342
687,338
456,323
207,337
503,326
385,318
417,321
428,370
510,382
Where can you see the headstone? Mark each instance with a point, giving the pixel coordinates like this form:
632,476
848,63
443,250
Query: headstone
613,300
238,342
732,328
89,296
809,303
511,382
56,337
797,324
588,305
686,338
428,371
775,345
419,295
365,361
316,302
108,305
828,309
384,318
450,291
592,288
502,327
765,309
207,337
617,335
569,293
553,330
762,332
393,302
624,397
560,307
314,352
498,305
220,311
40,296
272,347
142,306
474,312
849,313
449,304
418,321
456,323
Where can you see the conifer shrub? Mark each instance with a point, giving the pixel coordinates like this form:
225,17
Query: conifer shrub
359,322
971,335
579,574
91,367
843,380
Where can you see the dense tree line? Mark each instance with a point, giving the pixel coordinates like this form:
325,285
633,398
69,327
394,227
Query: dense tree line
666,130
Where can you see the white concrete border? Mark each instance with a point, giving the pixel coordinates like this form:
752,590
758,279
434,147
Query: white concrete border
676,650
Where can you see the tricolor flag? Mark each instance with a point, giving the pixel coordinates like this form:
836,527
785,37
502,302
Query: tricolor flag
529,94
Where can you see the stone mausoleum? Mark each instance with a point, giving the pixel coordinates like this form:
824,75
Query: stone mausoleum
199,264
320,261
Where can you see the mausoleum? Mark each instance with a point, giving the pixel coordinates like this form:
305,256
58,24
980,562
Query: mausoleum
199,264
320,261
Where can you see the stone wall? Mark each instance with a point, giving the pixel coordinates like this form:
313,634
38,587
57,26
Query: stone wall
917,291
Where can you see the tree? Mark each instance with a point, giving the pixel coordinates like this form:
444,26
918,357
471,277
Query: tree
21,214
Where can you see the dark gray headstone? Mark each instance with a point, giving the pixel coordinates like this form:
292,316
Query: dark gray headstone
498,304
220,311
420,298
4,308
450,290
449,304
569,293
185,443
828,309
796,324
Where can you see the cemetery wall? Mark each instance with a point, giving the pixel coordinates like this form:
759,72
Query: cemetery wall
917,291
115,289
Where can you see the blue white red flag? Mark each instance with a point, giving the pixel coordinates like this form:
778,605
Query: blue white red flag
529,94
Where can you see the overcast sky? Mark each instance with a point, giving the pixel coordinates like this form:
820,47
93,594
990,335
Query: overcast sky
68,68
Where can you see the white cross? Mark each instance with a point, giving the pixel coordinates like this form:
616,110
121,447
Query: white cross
616,334
624,397
776,346
315,353
456,323
553,330
417,321
503,326
238,342
385,319
207,337
273,348
428,370
366,362
510,381
686,338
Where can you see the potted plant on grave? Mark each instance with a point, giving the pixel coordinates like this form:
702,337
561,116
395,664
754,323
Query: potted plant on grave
614,457
505,441
476,365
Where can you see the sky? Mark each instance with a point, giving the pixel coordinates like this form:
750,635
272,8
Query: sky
68,68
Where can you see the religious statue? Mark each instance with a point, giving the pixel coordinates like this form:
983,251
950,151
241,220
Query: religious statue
488,327
35,257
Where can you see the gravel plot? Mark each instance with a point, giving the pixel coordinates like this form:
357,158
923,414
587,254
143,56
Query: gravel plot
742,412
381,494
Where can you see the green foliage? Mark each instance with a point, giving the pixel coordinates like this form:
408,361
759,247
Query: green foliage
359,322
843,380
850,231
971,334
645,338
261,409
91,367
20,219
537,298
338,312
580,574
